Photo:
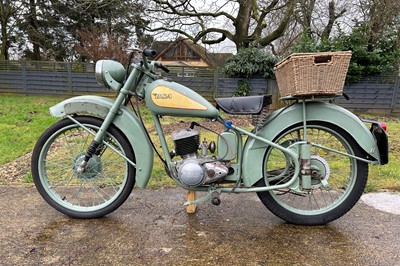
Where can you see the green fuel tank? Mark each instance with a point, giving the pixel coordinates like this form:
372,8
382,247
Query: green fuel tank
170,98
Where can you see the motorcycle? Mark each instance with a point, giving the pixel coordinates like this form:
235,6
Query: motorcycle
307,162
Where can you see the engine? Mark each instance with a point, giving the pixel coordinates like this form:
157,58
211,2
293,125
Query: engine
196,169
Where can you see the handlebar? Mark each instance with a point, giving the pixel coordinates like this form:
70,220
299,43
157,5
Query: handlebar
149,52
152,53
161,66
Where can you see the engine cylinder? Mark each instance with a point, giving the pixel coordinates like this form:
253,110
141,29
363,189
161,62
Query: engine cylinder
187,141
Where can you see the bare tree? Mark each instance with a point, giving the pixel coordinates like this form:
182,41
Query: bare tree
244,22
380,16
333,15
317,20
304,15
318,17
98,43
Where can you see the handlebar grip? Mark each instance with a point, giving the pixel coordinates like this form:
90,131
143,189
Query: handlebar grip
161,66
149,52
164,68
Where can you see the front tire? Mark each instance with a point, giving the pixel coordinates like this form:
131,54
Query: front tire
336,187
102,188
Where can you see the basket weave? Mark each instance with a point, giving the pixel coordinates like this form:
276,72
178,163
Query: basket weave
303,74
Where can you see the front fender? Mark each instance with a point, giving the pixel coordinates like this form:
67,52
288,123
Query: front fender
126,121
253,153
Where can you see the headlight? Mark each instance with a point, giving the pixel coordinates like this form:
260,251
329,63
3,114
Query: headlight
110,74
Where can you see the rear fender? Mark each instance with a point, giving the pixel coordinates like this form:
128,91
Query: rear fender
280,120
126,121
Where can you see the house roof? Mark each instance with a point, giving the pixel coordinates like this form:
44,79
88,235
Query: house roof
213,59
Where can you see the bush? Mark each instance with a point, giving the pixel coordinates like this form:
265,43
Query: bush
367,59
249,62
243,88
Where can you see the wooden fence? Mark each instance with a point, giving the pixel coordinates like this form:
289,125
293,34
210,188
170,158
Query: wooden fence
374,94
48,78
377,93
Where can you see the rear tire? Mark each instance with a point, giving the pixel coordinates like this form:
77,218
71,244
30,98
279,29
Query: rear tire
335,189
102,188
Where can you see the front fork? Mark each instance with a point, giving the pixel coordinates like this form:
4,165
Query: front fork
98,138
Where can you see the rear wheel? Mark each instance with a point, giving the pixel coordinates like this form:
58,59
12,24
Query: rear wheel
337,180
102,188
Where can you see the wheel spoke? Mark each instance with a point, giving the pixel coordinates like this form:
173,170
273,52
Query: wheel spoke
99,186
337,170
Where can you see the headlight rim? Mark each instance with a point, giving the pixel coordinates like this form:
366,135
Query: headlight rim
99,73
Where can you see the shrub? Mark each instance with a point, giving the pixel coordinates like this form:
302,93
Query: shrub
249,62
243,88
367,59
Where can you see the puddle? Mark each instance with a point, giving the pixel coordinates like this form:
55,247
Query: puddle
383,201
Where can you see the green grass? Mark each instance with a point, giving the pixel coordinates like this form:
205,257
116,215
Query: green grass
24,118
22,121
387,176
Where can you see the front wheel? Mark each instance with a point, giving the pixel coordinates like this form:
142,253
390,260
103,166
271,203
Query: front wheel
102,188
337,180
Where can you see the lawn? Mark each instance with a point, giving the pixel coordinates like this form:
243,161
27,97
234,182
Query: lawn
387,176
22,121
24,118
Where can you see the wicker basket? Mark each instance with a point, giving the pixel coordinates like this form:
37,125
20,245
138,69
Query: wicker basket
304,74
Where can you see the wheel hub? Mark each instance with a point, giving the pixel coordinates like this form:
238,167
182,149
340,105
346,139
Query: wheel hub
92,169
320,171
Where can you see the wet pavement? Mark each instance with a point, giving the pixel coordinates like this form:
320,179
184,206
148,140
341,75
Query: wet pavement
153,228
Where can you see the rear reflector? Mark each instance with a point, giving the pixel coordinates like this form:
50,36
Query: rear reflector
383,125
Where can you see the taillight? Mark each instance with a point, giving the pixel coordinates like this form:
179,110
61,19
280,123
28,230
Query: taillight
383,125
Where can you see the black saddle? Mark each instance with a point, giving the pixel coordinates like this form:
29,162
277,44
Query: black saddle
247,105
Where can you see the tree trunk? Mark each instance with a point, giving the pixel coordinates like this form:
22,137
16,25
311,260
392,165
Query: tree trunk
242,23
33,32
4,46
332,18
4,36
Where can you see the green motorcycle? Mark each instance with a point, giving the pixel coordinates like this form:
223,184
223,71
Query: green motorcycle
308,162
